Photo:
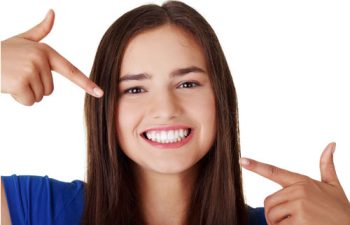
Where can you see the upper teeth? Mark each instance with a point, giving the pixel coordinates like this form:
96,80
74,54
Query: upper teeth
168,136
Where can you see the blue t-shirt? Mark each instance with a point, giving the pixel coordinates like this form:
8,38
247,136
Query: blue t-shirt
35,200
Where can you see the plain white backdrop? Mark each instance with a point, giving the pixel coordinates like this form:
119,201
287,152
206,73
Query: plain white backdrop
290,61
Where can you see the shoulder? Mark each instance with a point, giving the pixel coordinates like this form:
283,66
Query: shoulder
256,216
43,200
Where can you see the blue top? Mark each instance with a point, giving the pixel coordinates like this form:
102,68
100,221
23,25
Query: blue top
44,201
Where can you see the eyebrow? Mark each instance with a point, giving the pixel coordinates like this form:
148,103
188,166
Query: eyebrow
175,73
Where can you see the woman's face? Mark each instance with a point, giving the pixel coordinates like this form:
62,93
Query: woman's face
166,111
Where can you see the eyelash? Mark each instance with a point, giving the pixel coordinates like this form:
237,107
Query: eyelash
130,90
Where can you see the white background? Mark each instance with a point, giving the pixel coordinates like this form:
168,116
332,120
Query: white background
290,61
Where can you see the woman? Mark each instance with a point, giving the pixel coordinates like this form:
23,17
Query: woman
163,142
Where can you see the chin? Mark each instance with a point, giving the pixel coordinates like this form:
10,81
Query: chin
171,168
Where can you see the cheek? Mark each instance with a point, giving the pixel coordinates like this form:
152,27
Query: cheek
209,116
203,110
204,107
127,118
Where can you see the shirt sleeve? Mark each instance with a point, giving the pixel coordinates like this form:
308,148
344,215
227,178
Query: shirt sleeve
43,201
256,216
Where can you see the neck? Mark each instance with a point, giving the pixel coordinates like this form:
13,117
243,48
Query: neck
165,198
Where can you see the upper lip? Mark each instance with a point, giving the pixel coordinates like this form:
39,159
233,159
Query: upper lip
166,128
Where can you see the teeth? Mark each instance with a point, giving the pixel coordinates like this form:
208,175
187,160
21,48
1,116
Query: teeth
185,132
169,136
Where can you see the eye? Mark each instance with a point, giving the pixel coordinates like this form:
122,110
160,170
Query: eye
134,90
189,84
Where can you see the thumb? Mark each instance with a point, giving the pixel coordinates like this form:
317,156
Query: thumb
328,173
42,29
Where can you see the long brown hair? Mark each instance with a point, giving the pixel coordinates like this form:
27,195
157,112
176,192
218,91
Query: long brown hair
110,191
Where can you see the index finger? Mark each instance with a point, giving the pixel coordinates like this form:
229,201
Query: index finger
280,176
61,65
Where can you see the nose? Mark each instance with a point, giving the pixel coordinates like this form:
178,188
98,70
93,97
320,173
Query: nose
165,106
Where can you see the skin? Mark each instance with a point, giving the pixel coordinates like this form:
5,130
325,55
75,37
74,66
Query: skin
303,200
26,75
5,214
165,175
27,64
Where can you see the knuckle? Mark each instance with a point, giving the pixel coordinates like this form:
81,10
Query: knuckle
302,191
301,220
44,48
48,84
301,210
39,98
30,70
301,205
269,215
307,182
39,55
29,73
21,83
26,101
73,70
306,178
273,171
29,103
40,93
49,89
35,52
266,201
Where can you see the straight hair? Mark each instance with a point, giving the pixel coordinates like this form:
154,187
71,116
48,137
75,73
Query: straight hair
110,190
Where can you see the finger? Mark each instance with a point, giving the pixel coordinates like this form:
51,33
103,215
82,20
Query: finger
61,65
41,30
279,197
46,78
280,212
47,83
37,88
287,194
291,220
328,172
26,98
273,173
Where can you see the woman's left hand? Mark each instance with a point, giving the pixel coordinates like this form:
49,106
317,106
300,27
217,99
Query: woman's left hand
303,200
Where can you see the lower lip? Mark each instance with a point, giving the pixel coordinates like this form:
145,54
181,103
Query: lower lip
170,145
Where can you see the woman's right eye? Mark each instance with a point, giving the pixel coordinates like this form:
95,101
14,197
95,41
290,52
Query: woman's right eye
134,90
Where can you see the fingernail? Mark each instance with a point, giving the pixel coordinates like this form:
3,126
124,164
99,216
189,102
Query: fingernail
333,147
47,14
98,92
244,161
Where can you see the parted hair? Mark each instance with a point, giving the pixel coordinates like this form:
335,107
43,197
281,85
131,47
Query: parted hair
111,195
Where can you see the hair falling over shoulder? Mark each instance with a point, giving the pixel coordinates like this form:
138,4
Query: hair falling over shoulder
110,192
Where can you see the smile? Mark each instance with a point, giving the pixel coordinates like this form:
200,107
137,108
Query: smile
168,138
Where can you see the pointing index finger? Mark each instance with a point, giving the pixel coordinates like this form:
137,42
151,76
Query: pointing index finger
280,176
61,65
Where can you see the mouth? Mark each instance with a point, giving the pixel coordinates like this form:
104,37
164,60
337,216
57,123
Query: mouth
168,138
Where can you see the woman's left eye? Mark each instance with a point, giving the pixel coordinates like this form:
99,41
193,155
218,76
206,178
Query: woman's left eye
189,84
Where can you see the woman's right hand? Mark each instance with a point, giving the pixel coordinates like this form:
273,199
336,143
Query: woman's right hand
27,65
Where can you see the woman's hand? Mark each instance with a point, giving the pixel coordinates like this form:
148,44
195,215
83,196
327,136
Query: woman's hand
27,65
304,200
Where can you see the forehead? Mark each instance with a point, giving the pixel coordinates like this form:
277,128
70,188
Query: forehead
161,48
